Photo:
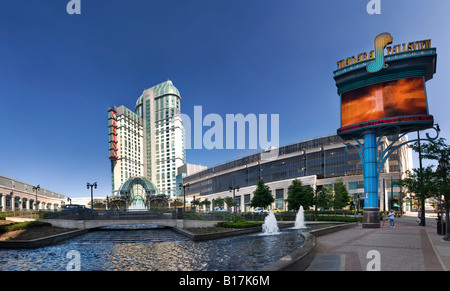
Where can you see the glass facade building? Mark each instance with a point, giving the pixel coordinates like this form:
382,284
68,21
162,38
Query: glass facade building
317,162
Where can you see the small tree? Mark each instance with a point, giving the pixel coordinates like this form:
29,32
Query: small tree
438,151
324,197
262,196
218,202
420,182
299,195
341,196
206,203
195,203
229,201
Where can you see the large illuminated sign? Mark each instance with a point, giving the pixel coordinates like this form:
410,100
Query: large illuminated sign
112,123
403,97
384,91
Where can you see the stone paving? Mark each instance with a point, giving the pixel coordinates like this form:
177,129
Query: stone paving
407,247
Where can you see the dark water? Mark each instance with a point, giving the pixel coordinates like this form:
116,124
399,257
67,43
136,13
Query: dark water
156,249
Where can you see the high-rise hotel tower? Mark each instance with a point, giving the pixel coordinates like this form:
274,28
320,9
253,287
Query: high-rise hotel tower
149,142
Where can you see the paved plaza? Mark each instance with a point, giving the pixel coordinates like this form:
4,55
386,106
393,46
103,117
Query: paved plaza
407,247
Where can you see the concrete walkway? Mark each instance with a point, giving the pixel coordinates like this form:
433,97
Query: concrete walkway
407,247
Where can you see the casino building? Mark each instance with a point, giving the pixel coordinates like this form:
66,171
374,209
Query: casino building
146,146
16,195
317,162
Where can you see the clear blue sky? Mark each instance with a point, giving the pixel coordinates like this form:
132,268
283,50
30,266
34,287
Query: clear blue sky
60,73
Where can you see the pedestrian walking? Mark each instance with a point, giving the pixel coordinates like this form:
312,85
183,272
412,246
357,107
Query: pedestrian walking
391,215
383,217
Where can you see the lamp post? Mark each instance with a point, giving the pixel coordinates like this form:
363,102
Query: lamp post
443,166
184,194
234,197
92,192
36,188
422,217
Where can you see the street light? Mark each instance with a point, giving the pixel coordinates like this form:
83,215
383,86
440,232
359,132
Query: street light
184,194
36,188
88,185
234,197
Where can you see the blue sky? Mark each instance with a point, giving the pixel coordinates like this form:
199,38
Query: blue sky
59,73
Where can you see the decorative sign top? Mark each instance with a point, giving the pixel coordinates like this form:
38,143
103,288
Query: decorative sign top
382,49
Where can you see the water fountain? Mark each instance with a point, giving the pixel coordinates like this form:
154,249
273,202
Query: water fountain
300,219
270,225
137,205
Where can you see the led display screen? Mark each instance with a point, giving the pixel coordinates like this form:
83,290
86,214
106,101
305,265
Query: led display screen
403,97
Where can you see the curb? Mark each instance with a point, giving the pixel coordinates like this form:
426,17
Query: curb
41,242
300,259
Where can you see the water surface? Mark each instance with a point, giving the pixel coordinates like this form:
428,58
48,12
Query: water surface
156,249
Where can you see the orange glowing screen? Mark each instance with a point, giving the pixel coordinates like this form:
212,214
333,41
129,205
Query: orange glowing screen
389,99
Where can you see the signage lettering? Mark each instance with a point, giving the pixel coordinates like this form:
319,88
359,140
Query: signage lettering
381,41
113,148
388,50
386,121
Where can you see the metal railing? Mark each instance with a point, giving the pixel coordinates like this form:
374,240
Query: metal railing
110,215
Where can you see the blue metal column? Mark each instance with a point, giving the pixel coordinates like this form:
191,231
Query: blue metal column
371,218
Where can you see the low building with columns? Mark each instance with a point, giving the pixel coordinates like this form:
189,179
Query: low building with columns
17,195
317,162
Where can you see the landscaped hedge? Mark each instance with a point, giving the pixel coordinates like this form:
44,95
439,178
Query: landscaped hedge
22,225
238,224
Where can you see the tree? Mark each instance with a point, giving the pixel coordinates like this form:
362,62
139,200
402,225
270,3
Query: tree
324,197
299,195
262,196
341,196
433,150
195,203
218,202
229,201
438,151
420,182
206,203
443,190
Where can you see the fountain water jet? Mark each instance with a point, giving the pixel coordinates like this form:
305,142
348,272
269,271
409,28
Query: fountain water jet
270,225
300,219
137,205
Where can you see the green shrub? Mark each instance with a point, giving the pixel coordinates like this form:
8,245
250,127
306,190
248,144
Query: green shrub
22,225
193,216
238,224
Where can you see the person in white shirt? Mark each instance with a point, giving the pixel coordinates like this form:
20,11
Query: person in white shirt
391,215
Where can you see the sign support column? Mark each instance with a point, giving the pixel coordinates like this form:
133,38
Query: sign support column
371,218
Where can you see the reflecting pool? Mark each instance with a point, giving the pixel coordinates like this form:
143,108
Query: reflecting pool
156,249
